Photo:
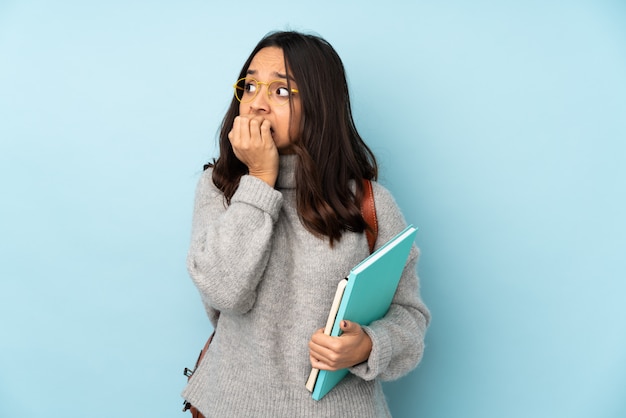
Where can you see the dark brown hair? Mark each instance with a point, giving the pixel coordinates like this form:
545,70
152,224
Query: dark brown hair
331,153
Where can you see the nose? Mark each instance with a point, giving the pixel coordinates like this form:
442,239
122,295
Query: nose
260,103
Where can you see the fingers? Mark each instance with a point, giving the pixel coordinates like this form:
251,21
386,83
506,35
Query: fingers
252,143
349,327
319,354
250,132
322,357
334,353
254,132
266,132
326,352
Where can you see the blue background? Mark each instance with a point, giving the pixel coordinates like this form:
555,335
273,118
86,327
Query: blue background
500,128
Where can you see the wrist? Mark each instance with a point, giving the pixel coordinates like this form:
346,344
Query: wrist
365,348
267,177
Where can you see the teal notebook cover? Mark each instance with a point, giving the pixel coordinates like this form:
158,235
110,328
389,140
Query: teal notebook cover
371,286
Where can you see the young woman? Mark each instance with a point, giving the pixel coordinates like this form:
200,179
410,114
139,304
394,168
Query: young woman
276,225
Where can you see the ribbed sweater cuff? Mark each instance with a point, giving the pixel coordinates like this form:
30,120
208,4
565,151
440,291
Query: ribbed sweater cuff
380,356
257,193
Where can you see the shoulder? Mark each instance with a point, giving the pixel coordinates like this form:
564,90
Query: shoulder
206,179
205,187
382,194
383,198
207,174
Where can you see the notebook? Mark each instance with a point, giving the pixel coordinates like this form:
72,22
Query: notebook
363,297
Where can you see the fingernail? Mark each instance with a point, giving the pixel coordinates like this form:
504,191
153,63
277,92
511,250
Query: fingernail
344,324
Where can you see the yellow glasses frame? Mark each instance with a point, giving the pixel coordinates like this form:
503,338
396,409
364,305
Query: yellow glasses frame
270,96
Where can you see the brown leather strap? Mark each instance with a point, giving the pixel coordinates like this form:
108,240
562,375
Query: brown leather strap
368,210
187,405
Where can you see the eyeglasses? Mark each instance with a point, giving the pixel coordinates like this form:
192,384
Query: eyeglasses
278,93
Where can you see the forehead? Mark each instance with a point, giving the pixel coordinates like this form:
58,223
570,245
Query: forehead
268,61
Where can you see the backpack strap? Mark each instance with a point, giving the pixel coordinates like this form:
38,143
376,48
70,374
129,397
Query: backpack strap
368,210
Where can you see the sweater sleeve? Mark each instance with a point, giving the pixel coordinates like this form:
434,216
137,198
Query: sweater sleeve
398,338
230,244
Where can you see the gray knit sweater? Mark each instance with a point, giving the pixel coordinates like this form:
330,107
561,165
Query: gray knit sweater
273,282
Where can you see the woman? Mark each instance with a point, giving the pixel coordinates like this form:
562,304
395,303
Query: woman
276,225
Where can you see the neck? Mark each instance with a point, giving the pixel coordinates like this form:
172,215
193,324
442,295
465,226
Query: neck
287,171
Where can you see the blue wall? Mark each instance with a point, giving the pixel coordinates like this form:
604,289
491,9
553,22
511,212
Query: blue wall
500,128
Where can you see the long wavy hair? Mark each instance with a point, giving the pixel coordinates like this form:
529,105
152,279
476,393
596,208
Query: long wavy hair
331,153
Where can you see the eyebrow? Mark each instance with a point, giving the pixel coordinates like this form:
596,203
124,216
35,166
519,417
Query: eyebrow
275,73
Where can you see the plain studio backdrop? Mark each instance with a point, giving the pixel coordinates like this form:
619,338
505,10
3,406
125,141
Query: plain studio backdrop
500,127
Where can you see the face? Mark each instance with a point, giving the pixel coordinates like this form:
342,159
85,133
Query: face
269,65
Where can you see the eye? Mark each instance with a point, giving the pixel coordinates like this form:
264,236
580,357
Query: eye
249,86
281,91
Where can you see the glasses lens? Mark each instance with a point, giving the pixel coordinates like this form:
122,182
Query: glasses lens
245,90
279,92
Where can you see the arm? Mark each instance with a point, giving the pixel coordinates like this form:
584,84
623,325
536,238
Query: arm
230,244
388,348
398,338
392,346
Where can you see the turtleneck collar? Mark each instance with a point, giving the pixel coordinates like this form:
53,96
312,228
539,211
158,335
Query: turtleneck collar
287,172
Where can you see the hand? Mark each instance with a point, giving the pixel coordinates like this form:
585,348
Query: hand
252,142
334,353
